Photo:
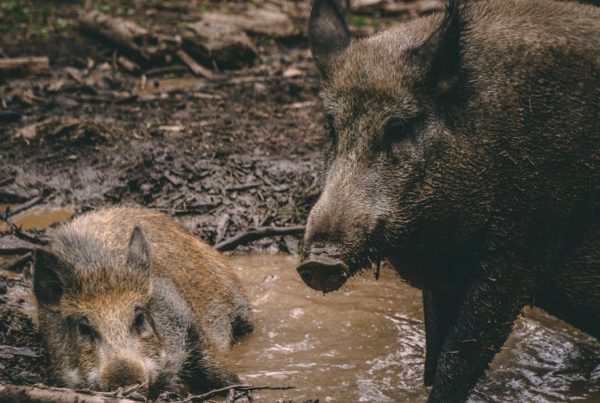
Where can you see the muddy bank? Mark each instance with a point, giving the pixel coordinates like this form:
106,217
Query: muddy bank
229,158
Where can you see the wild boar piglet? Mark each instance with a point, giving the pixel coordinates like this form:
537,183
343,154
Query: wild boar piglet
126,296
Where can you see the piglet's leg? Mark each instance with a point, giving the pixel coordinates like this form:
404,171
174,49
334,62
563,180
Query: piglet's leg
488,310
217,375
205,368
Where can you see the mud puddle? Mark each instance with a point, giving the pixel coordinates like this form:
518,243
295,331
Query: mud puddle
366,343
37,217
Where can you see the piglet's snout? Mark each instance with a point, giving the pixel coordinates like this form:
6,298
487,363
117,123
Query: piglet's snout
122,373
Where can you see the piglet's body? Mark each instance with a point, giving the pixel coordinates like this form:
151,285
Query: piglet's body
126,296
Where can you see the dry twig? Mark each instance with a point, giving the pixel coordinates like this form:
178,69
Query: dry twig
241,388
15,251
9,212
18,264
42,393
257,233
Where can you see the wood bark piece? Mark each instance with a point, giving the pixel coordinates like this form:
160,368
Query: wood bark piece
124,33
393,8
262,21
193,66
127,64
23,66
224,44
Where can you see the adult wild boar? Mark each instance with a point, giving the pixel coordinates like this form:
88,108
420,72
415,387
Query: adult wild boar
126,296
465,150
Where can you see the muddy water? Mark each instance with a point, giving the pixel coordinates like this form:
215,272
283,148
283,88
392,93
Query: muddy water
366,343
38,217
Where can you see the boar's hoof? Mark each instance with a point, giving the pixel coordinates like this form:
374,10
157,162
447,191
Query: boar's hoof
323,275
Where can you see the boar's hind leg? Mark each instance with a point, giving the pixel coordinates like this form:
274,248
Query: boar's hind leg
440,308
573,295
485,317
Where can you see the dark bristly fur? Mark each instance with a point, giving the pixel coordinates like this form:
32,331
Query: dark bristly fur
126,296
465,151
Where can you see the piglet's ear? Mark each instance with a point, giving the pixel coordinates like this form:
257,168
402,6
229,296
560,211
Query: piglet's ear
327,32
50,278
138,255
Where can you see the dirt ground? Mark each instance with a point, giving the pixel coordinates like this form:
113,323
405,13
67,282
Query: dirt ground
223,154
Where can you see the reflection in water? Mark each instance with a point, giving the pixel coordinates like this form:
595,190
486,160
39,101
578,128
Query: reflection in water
366,343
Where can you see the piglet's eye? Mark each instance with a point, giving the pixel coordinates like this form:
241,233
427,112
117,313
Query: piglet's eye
86,331
139,320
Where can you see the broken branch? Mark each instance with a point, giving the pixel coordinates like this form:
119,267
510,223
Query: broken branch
242,388
22,235
18,264
14,251
42,393
9,212
257,233
195,68
23,65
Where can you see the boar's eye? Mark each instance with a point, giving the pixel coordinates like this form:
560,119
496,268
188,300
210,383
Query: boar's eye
86,331
395,130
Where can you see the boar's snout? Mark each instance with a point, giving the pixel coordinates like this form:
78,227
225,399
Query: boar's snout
322,270
121,373
324,276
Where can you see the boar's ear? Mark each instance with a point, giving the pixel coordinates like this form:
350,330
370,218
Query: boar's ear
138,255
441,52
327,32
50,278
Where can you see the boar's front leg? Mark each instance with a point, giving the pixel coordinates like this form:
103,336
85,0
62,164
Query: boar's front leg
490,305
440,307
